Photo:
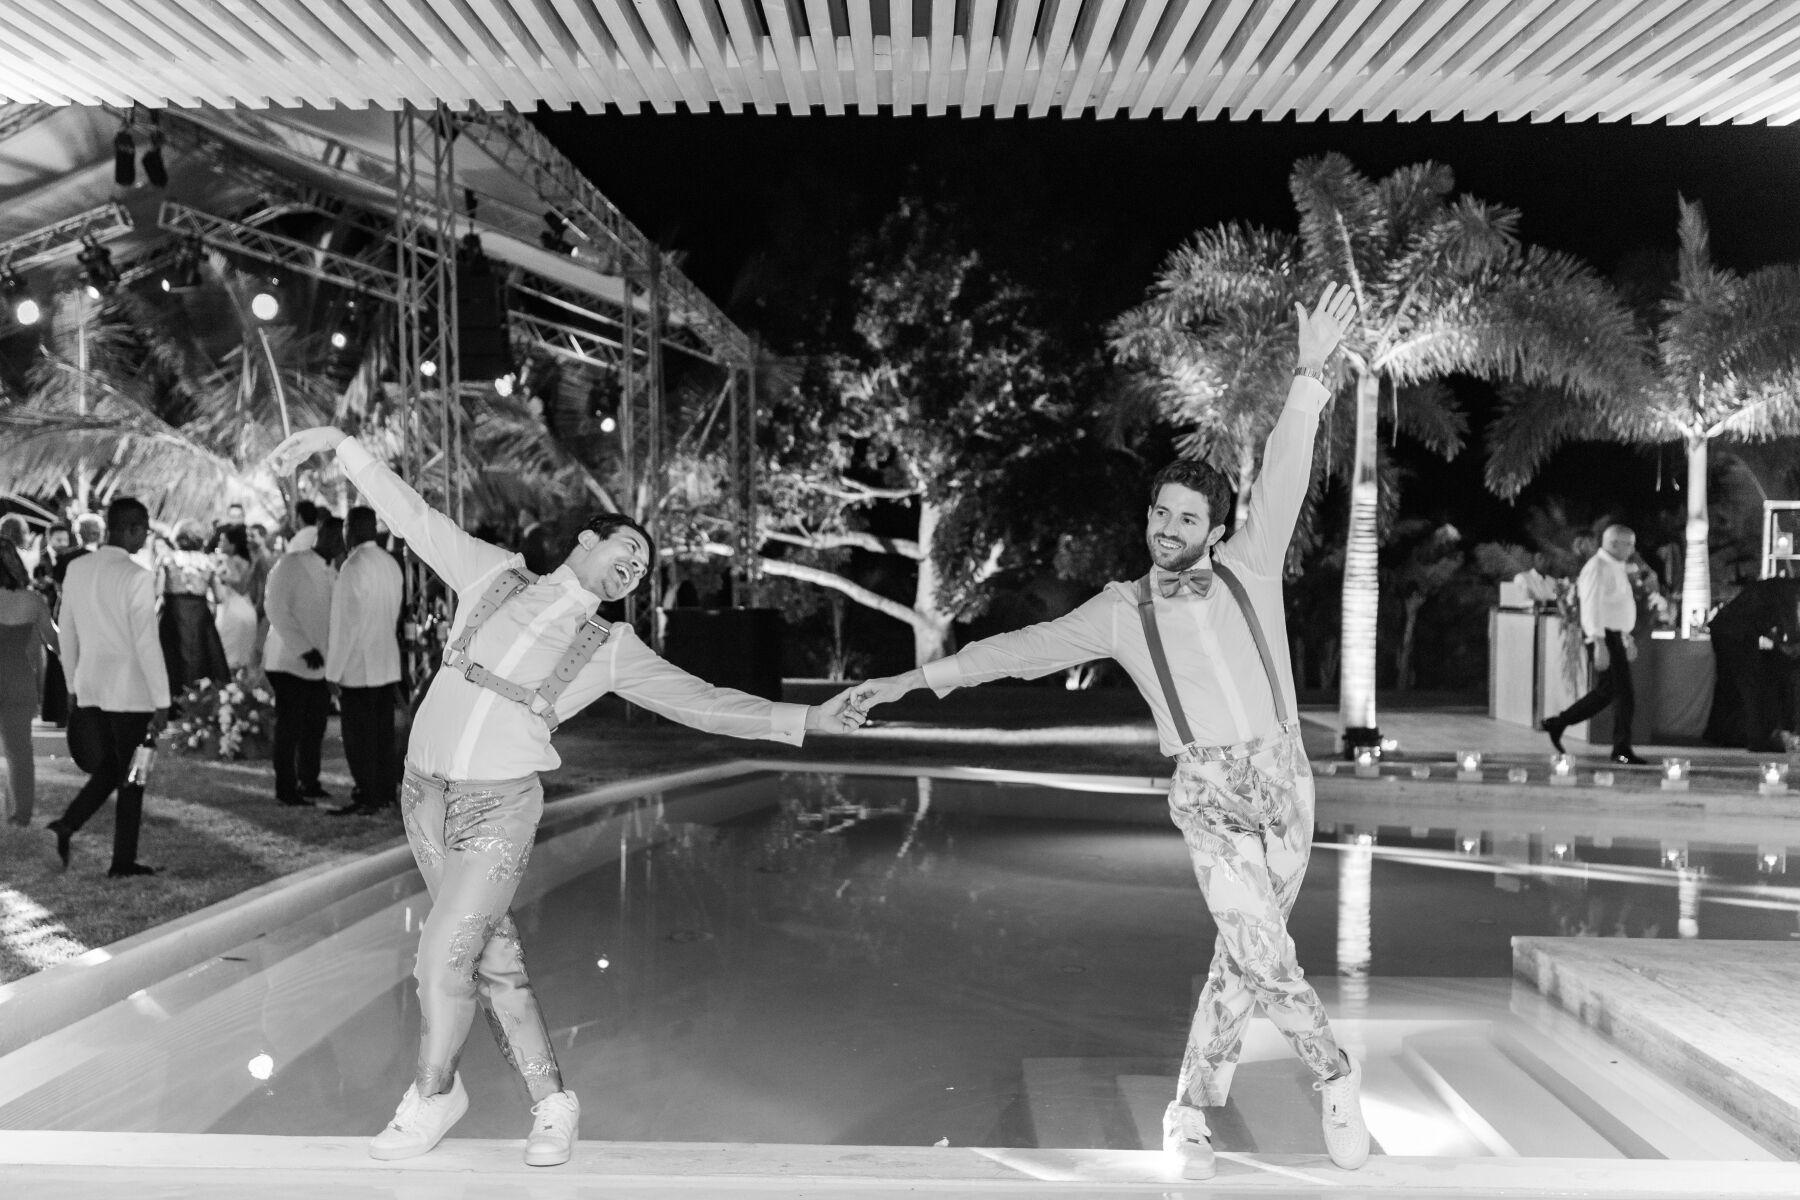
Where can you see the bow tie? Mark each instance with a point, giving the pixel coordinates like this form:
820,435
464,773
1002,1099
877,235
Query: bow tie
1197,580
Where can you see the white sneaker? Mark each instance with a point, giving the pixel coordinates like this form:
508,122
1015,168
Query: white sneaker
552,1138
1346,1137
420,1123
1186,1136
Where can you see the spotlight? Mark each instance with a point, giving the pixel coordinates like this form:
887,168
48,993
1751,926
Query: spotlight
19,300
505,384
339,341
124,156
428,369
154,169
186,276
264,306
555,233
97,268
607,424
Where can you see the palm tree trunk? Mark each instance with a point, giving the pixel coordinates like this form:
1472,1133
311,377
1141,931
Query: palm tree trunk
1356,678
1696,570
931,633
1246,477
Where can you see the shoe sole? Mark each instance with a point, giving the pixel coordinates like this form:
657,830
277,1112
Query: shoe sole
553,1158
395,1155
1195,1167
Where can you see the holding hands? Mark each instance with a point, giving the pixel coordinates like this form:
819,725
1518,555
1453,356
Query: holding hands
846,711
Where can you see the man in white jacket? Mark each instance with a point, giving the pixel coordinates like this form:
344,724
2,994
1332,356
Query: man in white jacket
363,662
298,603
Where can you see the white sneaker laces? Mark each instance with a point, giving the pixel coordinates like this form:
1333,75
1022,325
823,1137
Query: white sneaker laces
548,1110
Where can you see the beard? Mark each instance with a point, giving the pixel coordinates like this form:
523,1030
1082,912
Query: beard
1184,558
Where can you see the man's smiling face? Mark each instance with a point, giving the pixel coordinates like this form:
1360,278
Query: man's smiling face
613,566
1178,529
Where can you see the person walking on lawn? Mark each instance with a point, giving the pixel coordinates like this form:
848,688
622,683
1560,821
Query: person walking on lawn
116,670
525,653
1213,663
1608,615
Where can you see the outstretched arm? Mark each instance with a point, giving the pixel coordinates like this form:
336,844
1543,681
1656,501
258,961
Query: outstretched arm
1030,653
458,558
1280,488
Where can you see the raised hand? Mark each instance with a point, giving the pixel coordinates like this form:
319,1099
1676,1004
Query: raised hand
840,714
286,458
1322,329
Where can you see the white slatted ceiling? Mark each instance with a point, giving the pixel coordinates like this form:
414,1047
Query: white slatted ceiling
1640,60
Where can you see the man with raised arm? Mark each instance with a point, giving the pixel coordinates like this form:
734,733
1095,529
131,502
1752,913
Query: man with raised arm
1203,636
524,654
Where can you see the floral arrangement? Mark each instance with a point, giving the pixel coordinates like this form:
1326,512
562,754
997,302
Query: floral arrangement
227,720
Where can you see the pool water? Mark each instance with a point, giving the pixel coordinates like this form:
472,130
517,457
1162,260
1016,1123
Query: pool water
832,959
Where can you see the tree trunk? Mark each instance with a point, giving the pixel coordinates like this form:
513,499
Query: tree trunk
1696,571
1403,678
1356,678
931,632
1246,477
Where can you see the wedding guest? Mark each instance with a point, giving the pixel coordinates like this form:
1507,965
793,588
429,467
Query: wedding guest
363,659
26,629
235,617
189,584
299,607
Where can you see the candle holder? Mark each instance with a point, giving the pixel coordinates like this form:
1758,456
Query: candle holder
1326,768
1603,778
1468,766
1773,779
1675,774
1562,770
1421,771
1367,767
1517,775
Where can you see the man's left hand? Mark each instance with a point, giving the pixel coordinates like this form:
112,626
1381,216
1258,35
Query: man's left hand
837,715
313,659
1322,329
1630,648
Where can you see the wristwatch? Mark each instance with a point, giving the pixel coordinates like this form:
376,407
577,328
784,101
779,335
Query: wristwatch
1314,373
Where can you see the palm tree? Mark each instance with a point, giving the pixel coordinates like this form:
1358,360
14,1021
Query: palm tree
1721,363
1443,285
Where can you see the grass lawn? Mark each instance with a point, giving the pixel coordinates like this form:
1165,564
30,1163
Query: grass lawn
215,830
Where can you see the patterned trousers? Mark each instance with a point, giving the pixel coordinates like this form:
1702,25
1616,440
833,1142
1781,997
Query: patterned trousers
1247,814
472,839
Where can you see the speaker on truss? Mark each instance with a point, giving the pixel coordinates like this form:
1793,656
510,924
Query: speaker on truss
483,347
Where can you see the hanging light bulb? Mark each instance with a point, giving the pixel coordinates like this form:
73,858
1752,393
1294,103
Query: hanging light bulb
19,300
339,341
264,306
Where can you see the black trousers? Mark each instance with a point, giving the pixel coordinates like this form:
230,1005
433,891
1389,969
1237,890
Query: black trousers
1612,687
1759,679
122,733
367,723
301,706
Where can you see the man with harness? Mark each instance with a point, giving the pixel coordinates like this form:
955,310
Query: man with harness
525,653
1212,662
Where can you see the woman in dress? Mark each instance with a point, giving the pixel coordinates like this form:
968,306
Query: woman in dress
189,583
236,614
25,629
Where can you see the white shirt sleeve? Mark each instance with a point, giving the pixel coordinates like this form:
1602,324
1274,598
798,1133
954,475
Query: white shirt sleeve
643,677
1280,488
459,558
1032,652
1590,598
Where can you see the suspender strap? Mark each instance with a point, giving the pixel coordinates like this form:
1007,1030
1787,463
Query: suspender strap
1256,633
1160,659
1147,614
541,700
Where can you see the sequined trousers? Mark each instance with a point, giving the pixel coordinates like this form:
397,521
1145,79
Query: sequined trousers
1246,812
472,839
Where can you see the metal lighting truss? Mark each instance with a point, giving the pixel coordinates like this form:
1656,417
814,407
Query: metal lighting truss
51,242
16,118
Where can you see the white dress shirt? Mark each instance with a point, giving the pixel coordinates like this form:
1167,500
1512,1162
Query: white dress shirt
110,650
464,731
1218,674
298,604
1603,591
365,605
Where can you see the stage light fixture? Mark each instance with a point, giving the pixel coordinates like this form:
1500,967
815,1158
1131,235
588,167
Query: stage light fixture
97,268
19,300
155,170
186,276
125,156
506,384
339,341
264,306
607,424
554,237
428,369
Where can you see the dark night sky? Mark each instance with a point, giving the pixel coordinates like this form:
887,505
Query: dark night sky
1105,201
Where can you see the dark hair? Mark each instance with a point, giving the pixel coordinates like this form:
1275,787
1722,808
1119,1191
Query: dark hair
127,512
306,512
606,524
359,525
13,575
234,539
1196,476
